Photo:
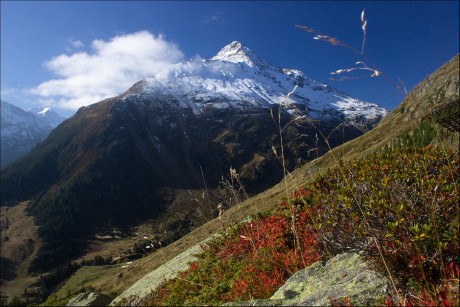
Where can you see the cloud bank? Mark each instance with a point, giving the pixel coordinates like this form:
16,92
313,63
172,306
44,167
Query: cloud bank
110,69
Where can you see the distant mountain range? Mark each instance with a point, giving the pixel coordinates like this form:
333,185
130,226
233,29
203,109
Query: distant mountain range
22,130
158,149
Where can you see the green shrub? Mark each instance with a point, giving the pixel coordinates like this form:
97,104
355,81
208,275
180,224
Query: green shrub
401,202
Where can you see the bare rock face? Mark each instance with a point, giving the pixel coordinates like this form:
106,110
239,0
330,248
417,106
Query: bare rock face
346,275
90,299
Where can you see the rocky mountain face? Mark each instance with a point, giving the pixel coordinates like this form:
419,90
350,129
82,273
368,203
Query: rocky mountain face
21,130
160,149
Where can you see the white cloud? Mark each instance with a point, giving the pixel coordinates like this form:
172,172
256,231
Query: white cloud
76,43
216,17
112,67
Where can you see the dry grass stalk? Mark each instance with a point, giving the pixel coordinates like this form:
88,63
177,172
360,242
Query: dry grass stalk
365,63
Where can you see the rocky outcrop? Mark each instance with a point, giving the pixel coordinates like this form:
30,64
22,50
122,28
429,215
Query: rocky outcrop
90,299
436,90
345,275
323,283
169,270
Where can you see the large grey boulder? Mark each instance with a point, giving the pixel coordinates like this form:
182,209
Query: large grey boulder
90,299
322,283
346,275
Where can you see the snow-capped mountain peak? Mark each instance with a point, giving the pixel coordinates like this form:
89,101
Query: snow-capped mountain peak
236,78
235,52
47,115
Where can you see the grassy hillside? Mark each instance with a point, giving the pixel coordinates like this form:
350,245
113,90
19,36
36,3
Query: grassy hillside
436,90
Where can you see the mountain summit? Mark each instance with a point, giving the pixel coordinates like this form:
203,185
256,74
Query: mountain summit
235,52
155,151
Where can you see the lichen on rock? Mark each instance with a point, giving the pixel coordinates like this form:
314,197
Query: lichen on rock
344,276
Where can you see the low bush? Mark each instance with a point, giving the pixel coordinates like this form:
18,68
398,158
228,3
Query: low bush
250,261
400,204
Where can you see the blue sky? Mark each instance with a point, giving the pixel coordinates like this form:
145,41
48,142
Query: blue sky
64,53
